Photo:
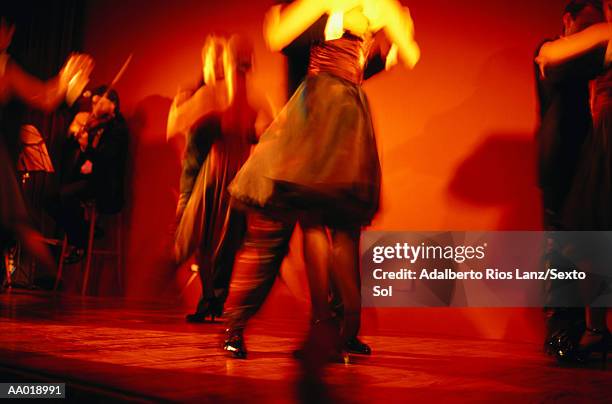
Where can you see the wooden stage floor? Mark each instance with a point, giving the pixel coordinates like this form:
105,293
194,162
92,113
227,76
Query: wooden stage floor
112,349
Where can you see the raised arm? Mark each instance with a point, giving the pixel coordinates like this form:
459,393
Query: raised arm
186,111
284,24
569,47
399,28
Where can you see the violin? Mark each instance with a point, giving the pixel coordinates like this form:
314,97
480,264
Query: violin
86,123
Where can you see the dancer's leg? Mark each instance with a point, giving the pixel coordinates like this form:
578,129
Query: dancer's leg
346,276
258,263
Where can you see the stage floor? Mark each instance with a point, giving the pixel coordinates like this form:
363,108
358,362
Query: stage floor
125,350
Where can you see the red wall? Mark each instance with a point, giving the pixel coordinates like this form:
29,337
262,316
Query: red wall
455,134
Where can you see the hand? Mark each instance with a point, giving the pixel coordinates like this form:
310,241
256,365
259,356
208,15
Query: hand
77,68
542,63
356,22
86,168
6,35
181,96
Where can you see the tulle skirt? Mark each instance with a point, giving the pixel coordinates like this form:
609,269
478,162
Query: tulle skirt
319,158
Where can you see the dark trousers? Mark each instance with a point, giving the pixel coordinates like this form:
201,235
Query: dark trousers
216,267
67,210
258,264
557,292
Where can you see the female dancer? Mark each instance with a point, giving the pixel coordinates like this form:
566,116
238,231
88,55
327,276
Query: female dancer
16,84
588,204
222,119
318,161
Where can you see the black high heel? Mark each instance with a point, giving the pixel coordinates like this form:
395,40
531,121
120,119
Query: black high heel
593,341
563,344
212,308
356,346
234,344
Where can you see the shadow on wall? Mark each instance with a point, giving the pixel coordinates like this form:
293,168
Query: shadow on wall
501,172
428,161
153,183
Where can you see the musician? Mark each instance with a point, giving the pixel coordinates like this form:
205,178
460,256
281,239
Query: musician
93,169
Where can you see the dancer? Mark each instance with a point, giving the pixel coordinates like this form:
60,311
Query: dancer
223,119
588,203
298,57
332,184
16,84
565,121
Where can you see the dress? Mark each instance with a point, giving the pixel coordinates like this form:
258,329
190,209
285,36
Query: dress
589,205
208,225
319,157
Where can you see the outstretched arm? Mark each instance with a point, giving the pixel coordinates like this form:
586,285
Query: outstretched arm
47,95
284,24
569,47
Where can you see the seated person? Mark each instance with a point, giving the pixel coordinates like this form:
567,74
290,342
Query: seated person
94,157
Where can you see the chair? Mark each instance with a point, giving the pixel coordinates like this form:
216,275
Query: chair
92,215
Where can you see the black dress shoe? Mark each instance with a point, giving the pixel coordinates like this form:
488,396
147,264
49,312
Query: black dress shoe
355,346
196,318
234,344
206,308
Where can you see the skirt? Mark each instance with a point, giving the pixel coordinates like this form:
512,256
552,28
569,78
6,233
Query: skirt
318,158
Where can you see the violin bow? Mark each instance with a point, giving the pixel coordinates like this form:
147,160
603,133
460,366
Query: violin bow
118,75
111,85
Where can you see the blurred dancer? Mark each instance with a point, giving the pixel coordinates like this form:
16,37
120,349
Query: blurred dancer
222,120
565,121
276,234
332,183
588,202
16,84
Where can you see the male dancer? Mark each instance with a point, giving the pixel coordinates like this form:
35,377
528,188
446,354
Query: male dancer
225,119
563,93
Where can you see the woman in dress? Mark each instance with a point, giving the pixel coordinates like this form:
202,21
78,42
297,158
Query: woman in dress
318,162
222,119
589,203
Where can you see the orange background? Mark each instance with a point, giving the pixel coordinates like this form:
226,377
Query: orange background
455,135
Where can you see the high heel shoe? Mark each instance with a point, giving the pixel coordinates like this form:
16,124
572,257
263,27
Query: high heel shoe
234,344
211,308
593,341
563,344
356,346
